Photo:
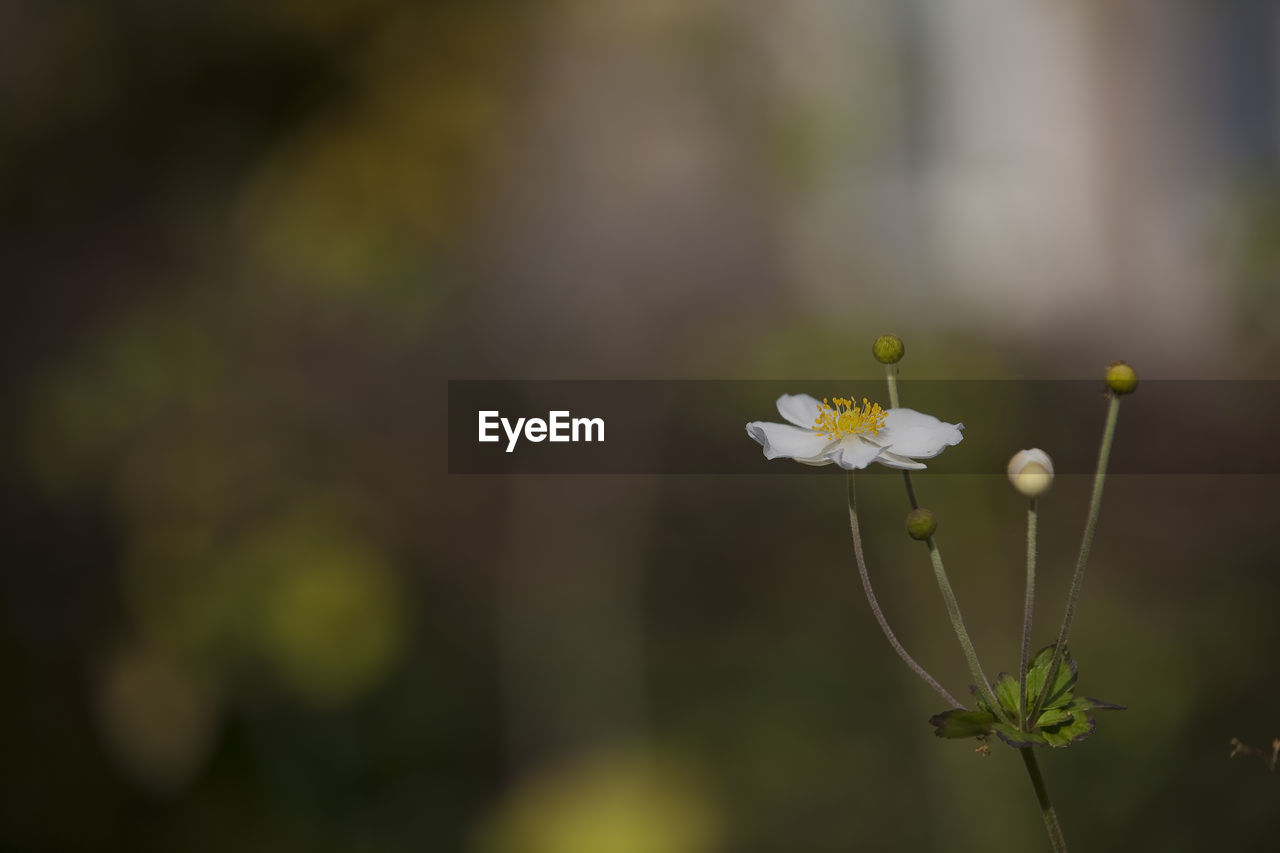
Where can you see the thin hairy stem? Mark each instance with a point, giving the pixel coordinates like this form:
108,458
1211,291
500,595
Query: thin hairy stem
891,377
944,583
1028,606
962,633
1086,544
1056,839
875,605
911,492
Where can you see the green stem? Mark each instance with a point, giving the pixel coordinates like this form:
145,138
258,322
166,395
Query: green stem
1028,606
891,377
944,584
962,634
911,492
875,605
1086,544
1056,839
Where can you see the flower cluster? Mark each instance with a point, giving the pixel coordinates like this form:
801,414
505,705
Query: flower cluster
1035,706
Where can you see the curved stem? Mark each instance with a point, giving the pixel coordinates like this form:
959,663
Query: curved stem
1086,545
875,605
940,572
1056,839
1028,606
911,492
957,622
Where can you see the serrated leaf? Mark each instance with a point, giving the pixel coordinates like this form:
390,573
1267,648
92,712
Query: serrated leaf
1006,690
982,703
959,723
1053,717
1063,680
1064,718
1079,727
1017,739
1085,703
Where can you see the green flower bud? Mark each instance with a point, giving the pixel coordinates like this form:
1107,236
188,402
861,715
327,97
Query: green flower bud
1121,378
921,523
1031,472
888,349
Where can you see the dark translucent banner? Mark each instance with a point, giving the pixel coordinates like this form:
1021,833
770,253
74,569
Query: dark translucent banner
699,427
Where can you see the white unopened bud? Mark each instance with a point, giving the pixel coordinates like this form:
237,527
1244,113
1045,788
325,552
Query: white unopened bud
1031,472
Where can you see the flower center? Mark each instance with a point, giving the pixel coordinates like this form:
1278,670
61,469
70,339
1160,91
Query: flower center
842,416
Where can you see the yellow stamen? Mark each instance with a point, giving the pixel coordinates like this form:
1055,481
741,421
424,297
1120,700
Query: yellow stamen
842,416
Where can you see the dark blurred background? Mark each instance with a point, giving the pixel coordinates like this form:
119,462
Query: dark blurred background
243,605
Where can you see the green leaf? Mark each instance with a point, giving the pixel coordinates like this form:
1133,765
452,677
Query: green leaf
1084,703
983,705
959,723
1063,680
1079,727
1017,739
1053,717
1006,690
1064,717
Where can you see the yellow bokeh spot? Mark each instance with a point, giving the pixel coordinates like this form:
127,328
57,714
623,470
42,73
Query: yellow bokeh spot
331,618
304,593
624,801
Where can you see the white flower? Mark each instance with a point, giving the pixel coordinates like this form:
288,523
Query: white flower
852,437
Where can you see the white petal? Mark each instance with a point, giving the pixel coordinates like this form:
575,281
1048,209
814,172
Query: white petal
799,409
785,441
893,460
910,433
852,453
816,461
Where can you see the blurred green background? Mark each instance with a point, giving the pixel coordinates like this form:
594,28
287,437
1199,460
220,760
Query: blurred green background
244,606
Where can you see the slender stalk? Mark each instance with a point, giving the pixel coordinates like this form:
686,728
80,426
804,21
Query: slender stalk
911,492
891,377
875,605
944,583
1028,606
957,622
1086,544
1056,839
